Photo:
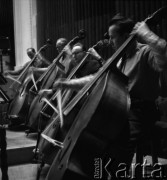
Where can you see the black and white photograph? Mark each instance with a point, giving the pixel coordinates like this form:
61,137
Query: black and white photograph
83,89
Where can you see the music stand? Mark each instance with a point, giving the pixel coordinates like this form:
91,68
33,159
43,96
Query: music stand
4,48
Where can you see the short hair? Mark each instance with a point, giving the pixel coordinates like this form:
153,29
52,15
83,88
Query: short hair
125,25
81,45
61,41
30,50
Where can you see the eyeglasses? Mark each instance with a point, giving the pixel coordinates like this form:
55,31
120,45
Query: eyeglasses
76,53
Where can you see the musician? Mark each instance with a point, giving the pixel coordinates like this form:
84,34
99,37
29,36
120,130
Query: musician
39,65
61,45
92,62
58,72
142,64
90,66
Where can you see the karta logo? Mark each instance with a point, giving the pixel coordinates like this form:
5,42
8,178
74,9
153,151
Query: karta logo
103,170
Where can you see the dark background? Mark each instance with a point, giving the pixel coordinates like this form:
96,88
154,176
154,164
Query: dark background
64,18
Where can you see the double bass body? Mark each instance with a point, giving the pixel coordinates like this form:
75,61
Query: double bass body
99,121
47,80
37,104
20,103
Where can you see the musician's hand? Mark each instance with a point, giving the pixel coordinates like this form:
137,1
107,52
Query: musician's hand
31,69
67,50
94,53
57,85
8,74
60,83
141,29
44,92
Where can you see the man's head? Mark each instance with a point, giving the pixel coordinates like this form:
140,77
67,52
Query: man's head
78,51
119,30
31,52
60,44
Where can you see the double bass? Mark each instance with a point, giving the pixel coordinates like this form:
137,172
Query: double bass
46,81
19,104
52,129
49,110
91,131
